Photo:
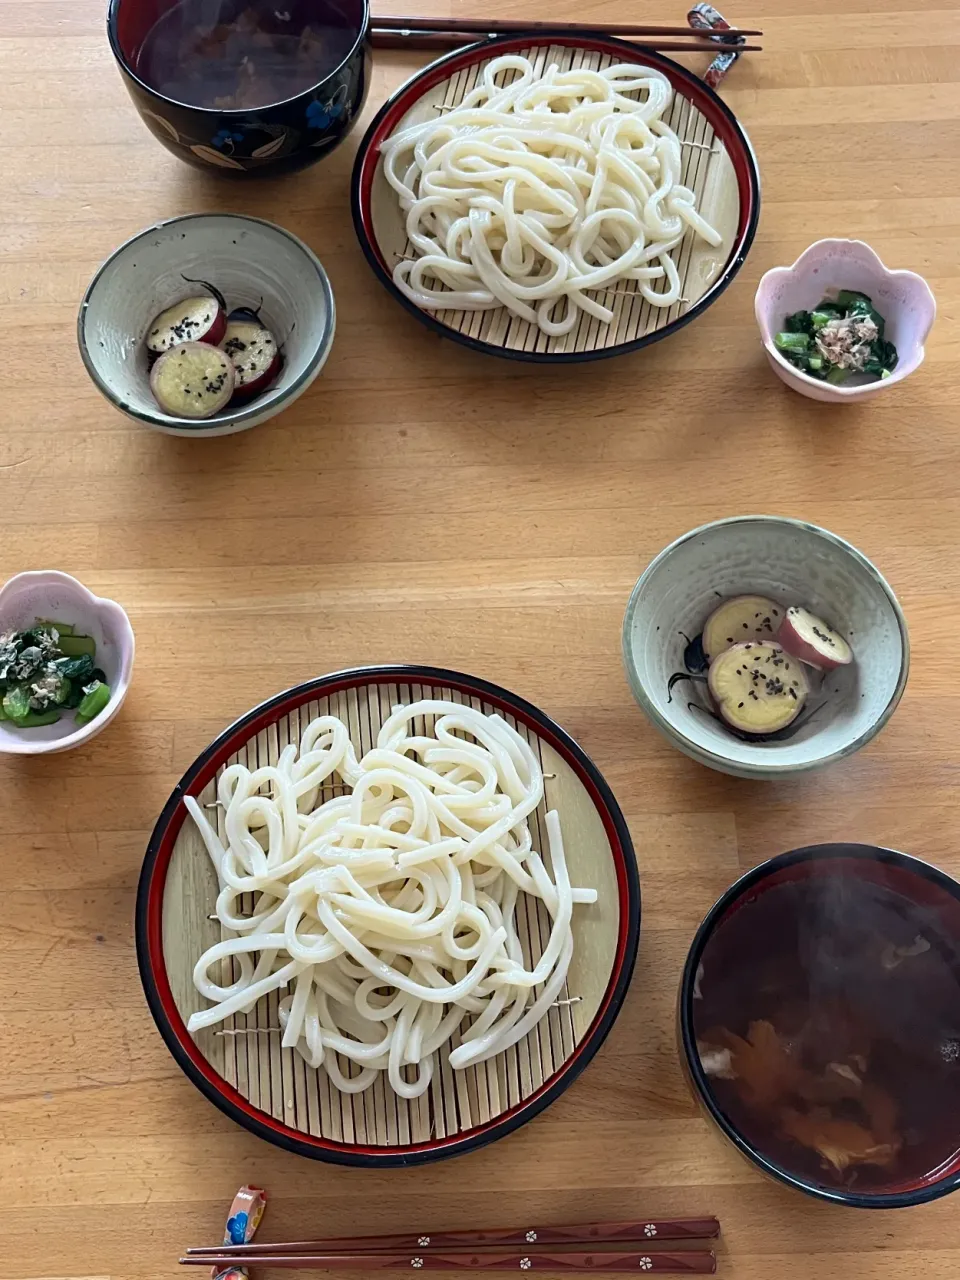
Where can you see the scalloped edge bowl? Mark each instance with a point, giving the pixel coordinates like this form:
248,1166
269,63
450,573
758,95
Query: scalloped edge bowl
48,593
903,298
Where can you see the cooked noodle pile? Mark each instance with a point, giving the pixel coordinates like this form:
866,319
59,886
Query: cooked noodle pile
531,194
389,912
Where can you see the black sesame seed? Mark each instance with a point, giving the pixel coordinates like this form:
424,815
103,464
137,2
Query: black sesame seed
739,704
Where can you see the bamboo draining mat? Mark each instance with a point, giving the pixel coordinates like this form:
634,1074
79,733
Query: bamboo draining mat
246,1051
707,170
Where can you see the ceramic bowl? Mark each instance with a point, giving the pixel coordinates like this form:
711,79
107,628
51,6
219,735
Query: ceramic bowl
249,261
278,138
57,596
903,299
928,895
795,563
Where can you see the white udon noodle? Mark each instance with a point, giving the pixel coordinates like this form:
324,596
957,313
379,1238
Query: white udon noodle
531,194
390,911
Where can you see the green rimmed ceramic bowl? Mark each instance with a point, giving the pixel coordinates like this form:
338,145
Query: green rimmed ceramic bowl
796,563
253,263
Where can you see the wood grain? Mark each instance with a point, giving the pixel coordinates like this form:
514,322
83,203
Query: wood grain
423,503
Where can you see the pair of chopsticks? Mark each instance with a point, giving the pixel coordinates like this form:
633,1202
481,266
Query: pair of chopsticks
596,1246
387,32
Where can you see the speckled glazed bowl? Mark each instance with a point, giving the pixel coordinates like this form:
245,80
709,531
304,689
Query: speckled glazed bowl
61,598
795,563
903,299
250,261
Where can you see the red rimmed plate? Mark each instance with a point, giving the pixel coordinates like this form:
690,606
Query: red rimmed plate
719,165
271,1091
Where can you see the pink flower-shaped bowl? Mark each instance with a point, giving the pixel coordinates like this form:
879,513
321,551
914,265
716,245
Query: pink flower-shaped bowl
903,299
60,598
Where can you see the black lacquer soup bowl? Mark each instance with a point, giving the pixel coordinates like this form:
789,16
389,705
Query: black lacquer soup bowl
289,133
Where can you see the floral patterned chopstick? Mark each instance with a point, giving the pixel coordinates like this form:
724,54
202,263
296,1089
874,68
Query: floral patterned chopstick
644,1231
691,1262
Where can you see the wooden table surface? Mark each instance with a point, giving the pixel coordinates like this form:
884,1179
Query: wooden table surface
425,503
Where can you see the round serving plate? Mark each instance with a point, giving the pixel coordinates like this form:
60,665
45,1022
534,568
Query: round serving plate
718,165
272,1091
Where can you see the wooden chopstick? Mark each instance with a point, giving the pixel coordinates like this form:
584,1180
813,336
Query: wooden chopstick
702,1262
447,38
502,26
647,1231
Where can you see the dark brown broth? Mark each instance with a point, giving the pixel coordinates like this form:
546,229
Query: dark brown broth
829,1018
228,56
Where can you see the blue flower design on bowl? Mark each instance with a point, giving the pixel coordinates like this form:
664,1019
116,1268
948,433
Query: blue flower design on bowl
237,1228
279,137
224,139
321,114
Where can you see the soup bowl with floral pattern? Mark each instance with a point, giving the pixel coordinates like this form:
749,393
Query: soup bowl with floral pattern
281,136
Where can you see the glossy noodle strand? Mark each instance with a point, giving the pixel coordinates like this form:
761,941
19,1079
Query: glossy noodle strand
388,914
532,194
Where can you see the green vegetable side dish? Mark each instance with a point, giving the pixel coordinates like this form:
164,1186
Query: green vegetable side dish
841,337
46,671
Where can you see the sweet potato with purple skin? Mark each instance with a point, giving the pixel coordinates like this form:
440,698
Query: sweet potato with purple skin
757,687
809,639
254,354
740,618
193,380
197,319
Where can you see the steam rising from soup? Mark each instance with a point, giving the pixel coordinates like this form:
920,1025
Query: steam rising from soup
827,1017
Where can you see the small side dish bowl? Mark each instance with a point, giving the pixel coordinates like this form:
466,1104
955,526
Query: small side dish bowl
49,594
805,956
278,137
792,562
903,298
251,262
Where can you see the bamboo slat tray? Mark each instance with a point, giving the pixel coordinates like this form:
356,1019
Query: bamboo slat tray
718,164
271,1090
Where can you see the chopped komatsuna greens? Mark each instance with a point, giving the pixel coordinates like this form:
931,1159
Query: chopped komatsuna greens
841,337
96,695
46,670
